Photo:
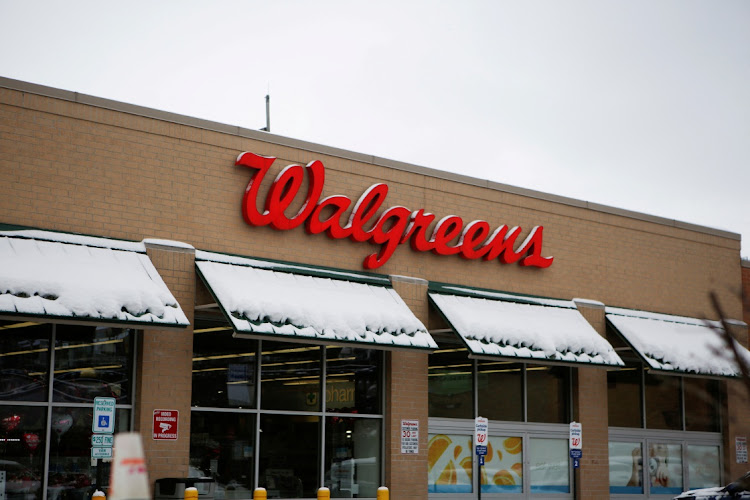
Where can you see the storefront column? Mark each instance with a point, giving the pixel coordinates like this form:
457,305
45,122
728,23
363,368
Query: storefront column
590,403
736,424
164,373
406,399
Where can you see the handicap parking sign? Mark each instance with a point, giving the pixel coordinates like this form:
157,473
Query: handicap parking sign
104,415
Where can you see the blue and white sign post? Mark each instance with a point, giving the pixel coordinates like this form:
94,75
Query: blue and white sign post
576,443
481,432
103,428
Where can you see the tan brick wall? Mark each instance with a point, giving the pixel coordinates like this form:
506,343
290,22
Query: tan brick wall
78,168
590,398
406,399
165,369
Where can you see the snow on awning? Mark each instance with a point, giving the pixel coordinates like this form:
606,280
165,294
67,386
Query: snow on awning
676,344
501,325
72,278
286,302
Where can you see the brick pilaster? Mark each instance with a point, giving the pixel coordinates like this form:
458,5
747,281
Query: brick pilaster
406,389
590,395
164,373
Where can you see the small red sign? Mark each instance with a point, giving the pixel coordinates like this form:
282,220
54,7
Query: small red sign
165,424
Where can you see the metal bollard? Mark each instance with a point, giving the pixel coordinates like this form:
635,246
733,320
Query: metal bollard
98,495
324,493
383,493
191,493
260,494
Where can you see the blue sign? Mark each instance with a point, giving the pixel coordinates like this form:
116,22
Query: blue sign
481,450
104,416
576,454
481,460
576,463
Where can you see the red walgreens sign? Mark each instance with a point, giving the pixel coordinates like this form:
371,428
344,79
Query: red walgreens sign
165,424
396,225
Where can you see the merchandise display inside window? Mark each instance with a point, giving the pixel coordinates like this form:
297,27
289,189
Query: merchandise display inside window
89,362
289,421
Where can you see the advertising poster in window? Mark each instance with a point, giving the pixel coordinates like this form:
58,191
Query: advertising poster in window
503,465
665,468
625,467
449,463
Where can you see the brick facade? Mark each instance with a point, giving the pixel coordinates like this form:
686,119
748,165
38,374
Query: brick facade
79,164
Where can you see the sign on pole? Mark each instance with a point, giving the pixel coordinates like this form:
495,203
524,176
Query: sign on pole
576,436
481,429
104,416
98,452
102,440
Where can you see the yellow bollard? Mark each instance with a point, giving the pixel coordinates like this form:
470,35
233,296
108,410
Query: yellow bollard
324,493
191,493
383,493
260,494
98,495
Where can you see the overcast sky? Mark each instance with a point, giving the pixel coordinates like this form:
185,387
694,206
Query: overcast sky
635,104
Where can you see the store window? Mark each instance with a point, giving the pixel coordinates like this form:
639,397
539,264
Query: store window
528,462
49,377
315,421
505,391
671,402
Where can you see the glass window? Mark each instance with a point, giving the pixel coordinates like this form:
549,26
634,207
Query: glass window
500,390
290,377
450,384
449,463
663,403
352,457
702,404
92,362
704,466
223,369
352,380
289,455
665,468
222,447
548,467
22,445
71,473
624,397
625,467
24,361
503,465
548,389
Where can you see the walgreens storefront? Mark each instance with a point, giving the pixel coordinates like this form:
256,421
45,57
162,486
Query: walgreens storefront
309,317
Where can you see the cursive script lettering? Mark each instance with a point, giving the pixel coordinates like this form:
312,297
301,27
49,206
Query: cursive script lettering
395,225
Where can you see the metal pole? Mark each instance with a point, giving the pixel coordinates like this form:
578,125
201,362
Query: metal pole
268,112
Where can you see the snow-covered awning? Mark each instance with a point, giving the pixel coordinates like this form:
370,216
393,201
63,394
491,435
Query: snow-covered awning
522,328
71,278
299,303
677,344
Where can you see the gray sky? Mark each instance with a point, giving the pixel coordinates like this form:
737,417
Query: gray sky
635,104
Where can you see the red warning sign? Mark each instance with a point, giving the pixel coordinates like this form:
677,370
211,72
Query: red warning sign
165,424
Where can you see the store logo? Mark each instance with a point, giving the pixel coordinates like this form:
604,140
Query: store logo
396,225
